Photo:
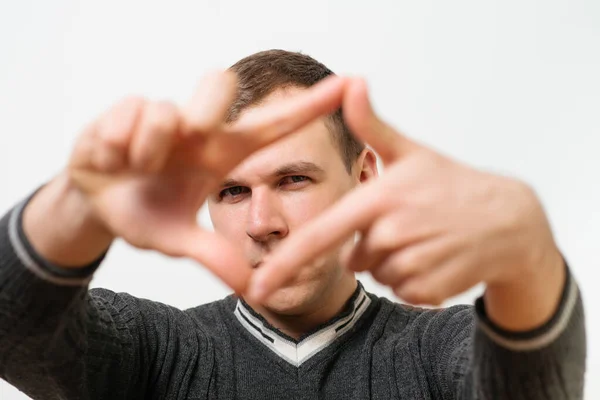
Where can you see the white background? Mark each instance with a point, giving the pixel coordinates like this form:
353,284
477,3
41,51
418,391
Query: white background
510,86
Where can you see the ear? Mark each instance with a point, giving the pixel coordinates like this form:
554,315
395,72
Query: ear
365,166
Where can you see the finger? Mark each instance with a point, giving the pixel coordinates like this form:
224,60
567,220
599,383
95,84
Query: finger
92,181
117,126
155,136
103,144
360,257
416,259
367,126
453,277
212,251
389,234
114,133
268,124
315,239
347,249
209,106
83,151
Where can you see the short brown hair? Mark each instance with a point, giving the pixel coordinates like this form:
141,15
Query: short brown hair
262,73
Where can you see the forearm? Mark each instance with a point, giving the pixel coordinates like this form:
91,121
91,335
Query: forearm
47,319
41,326
530,298
61,227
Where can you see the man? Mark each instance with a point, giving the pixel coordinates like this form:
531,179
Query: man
288,187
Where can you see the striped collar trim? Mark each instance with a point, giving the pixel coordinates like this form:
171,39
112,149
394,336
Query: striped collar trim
298,353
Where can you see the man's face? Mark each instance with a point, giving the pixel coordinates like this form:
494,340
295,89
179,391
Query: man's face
276,190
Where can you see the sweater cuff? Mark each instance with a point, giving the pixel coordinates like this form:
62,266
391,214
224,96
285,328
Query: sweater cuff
34,262
536,338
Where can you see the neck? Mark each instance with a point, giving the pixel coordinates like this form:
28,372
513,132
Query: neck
321,309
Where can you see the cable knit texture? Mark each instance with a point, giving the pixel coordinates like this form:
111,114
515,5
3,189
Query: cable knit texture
63,341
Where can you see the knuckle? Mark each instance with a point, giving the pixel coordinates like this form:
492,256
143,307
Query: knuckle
112,134
419,293
108,159
115,126
380,274
389,272
82,153
112,138
388,276
434,299
105,155
409,261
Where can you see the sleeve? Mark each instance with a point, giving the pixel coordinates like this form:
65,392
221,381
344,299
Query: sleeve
60,341
469,357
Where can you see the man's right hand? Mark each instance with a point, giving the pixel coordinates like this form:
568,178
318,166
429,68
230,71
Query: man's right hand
143,169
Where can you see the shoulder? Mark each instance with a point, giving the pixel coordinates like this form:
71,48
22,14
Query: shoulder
121,301
127,309
419,321
436,339
214,312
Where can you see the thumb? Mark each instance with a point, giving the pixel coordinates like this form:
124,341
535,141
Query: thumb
212,251
366,125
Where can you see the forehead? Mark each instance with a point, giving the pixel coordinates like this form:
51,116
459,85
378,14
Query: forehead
311,143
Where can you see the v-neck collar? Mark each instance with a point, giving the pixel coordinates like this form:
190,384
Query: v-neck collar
294,351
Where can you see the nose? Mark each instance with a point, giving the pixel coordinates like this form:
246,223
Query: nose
266,222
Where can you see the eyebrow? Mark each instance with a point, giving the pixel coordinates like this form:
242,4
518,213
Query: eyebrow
296,168
301,167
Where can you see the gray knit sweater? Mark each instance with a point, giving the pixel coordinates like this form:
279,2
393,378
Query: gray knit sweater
59,340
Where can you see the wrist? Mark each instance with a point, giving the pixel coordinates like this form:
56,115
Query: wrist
528,298
61,226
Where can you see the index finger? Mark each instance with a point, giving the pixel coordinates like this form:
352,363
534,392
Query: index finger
208,107
268,124
318,237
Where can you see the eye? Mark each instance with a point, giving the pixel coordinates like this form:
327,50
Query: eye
233,191
290,180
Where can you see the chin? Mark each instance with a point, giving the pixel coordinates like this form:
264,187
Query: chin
310,290
294,300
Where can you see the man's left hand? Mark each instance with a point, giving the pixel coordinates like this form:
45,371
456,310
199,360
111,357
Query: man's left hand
430,227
